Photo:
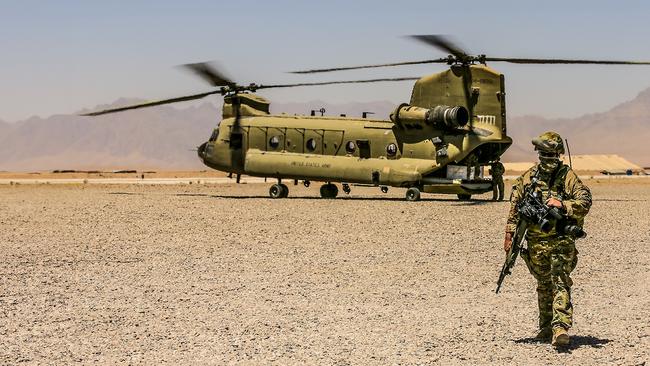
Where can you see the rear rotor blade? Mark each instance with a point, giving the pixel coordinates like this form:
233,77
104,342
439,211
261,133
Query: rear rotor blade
442,43
563,61
457,56
432,40
313,71
209,73
152,104
335,82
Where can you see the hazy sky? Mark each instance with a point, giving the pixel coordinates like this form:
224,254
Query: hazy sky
62,56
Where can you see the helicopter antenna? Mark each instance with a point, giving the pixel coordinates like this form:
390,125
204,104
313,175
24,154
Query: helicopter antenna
568,152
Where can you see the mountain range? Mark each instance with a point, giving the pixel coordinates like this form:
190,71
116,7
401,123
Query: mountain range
623,130
165,137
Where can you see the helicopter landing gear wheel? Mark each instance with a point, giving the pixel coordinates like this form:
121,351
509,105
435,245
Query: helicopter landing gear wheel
276,191
384,189
464,196
285,190
413,194
329,190
346,188
306,183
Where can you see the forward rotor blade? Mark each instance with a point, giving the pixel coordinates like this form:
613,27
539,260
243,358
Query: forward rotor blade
208,73
152,104
442,43
432,40
253,87
335,82
563,61
439,60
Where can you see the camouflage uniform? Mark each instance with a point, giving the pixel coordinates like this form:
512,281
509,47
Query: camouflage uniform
552,256
496,171
473,167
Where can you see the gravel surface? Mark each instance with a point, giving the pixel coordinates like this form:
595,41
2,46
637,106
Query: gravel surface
220,274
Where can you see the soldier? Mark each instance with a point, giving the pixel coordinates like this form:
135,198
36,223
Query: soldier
551,256
496,171
473,167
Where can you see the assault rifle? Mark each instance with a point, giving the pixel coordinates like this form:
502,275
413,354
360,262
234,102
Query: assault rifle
532,210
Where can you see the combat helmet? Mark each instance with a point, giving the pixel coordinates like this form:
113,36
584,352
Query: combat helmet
549,142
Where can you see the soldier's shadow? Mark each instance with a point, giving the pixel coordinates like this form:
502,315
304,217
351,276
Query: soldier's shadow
577,341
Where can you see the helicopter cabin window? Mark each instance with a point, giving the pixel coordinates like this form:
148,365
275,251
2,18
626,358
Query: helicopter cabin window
364,149
215,135
311,144
274,142
391,149
236,140
350,147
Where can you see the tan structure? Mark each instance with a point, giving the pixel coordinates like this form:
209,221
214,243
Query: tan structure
584,163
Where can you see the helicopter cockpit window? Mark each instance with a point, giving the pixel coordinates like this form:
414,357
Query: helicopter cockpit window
215,135
391,149
350,147
274,142
311,144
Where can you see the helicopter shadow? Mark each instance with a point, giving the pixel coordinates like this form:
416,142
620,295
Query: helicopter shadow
470,203
388,199
577,341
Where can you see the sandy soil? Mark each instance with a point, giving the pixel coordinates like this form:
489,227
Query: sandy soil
98,175
222,274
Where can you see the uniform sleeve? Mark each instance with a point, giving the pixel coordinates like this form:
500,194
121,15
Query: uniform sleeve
515,197
578,200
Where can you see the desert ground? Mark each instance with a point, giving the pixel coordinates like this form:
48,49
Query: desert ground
221,274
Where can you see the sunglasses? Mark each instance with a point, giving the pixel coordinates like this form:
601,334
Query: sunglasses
548,155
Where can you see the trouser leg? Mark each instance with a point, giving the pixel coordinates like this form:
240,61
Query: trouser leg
537,259
545,301
563,261
501,189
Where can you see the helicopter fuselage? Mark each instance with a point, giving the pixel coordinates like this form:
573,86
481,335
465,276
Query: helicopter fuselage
339,149
413,149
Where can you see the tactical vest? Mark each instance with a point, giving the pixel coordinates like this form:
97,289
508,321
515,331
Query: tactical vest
553,188
497,169
556,182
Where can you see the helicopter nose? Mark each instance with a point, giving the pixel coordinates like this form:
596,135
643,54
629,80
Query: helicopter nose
201,150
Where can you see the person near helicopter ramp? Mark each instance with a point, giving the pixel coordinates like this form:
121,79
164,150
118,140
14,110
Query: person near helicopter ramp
496,171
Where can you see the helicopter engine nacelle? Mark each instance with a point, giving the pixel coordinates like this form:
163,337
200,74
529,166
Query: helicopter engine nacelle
439,117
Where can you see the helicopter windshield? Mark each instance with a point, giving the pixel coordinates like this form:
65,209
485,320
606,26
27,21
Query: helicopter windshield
215,135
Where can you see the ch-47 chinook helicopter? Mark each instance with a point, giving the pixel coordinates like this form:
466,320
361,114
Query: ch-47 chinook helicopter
454,123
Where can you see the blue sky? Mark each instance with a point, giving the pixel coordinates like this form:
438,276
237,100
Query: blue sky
62,56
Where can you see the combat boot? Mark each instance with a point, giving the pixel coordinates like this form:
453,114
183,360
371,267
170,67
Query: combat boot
544,335
560,337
